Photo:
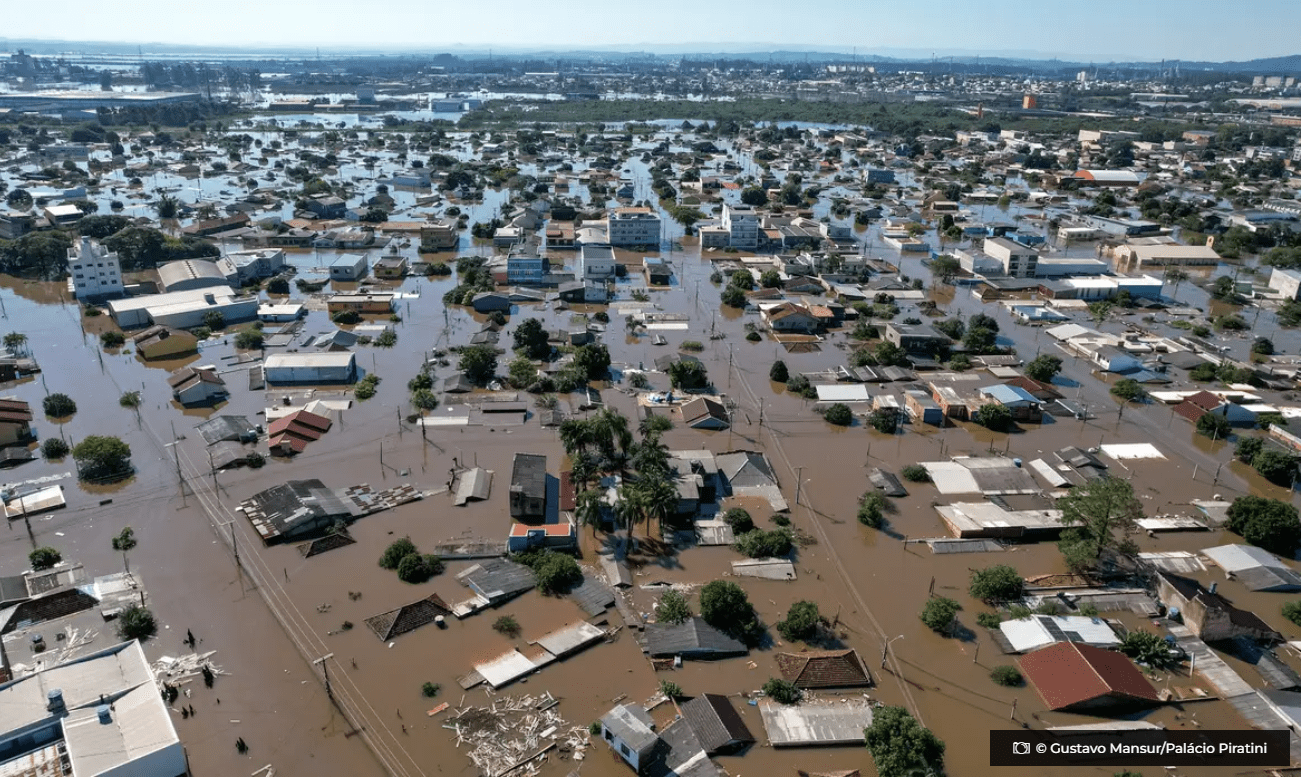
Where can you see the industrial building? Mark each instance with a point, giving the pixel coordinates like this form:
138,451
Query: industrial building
190,274
327,367
183,309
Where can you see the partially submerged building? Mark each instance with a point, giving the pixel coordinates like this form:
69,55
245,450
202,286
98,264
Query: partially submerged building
1074,677
528,486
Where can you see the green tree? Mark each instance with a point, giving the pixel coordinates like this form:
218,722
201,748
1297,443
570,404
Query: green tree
112,339
1247,449
945,267
1203,372
902,747
999,583
588,508
44,558
839,414
125,542
979,340
424,399
1100,515
1044,368
1213,425
781,691
739,519
733,297
872,507
167,207
778,372
771,279
954,328
753,195
1263,346
940,613
1275,466
249,339
915,473
1147,648
396,551
531,339
98,454
1292,611
522,372
556,572
58,405
214,320
478,362
688,374
1006,675
758,543
54,448
801,622
996,418
672,608
418,568
136,622
593,359
1128,389
1265,523
725,606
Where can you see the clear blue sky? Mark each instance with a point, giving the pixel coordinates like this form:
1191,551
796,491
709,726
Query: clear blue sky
1096,30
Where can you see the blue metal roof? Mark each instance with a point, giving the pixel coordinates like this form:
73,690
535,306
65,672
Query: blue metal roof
1009,395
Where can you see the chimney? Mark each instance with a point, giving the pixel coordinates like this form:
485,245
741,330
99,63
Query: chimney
105,713
54,700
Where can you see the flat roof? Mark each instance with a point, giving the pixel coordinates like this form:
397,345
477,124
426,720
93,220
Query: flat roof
324,359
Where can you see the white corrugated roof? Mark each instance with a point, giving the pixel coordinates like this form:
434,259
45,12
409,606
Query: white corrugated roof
1038,630
1235,558
842,392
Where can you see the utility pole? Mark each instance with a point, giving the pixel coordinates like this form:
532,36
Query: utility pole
325,668
799,483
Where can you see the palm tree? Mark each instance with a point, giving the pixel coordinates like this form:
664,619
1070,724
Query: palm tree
124,542
610,431
650,458
629,507
582,469
659,500
575,435
587,508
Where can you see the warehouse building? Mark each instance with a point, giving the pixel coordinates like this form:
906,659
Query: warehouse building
183,309
327,367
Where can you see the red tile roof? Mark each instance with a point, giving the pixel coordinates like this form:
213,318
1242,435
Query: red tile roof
1190,411
1205,400
568,497
824,669
300,423
1066,674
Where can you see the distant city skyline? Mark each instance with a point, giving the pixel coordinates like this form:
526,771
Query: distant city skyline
1099,31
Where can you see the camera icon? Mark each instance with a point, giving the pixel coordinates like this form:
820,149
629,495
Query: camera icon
1020,748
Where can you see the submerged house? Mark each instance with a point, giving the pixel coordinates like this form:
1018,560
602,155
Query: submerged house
528,486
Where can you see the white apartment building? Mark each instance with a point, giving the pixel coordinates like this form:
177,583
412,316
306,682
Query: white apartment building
742,225
93,271
633,227
1018,259
1287,282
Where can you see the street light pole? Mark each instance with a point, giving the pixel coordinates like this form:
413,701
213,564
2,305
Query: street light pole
885,649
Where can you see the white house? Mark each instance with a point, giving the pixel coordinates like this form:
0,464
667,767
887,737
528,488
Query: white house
596,263
1112,359
631,732
93,271
349,267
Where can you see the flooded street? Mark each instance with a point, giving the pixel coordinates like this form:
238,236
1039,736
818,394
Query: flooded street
281,622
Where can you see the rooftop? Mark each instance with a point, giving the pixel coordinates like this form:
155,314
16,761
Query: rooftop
824,669
1067,674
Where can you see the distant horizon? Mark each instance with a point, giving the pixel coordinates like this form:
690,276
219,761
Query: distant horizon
1104,31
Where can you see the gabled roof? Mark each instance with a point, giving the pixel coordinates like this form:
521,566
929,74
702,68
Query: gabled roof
1034,386
15,411
300,423
1192,590
716,722
824,669
408,617
693,636
631,724
1066,674
702,408
1205,400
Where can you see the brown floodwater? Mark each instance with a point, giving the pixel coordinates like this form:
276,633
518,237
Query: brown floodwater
269,617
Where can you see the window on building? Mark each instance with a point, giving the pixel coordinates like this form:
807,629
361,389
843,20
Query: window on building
608,735
626,752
